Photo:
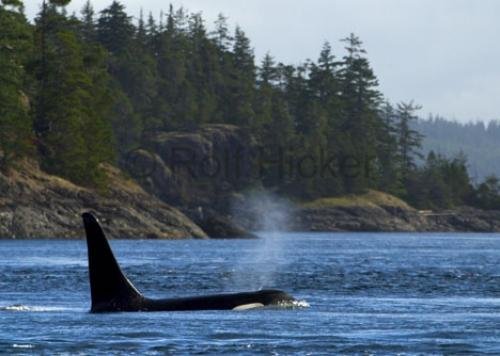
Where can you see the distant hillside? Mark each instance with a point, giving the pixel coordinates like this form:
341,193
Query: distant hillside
478,141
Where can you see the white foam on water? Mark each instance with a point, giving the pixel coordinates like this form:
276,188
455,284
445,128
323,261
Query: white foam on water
23,346
31,308
294,304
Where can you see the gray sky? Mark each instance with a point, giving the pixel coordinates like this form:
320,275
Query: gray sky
443,54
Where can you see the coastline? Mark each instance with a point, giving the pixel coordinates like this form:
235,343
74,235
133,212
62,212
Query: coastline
36,205
391,219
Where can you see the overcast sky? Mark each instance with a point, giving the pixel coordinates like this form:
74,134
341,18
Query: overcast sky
443,54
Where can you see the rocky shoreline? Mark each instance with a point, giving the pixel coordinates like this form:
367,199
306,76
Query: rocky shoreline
34,204
393,219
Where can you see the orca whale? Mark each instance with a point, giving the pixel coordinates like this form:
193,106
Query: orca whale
112,291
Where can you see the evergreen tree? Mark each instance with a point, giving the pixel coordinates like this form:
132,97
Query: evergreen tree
152,34
409,140
65,151
487,195
181,20
323,78
264,103
15,49
88,26
457,177
221,35
98,134
141,31
115,29
325,86
133,67
171,67
274,122
268,73
75,138
202,69
388,163
359,115
95,86
242,85
441,183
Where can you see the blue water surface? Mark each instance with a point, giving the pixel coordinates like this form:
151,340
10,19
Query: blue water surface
368,294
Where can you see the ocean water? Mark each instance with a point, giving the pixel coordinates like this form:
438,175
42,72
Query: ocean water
367,294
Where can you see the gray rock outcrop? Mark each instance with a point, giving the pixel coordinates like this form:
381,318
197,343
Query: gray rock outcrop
34,204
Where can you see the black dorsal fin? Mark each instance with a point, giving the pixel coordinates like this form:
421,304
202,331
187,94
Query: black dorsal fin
110,289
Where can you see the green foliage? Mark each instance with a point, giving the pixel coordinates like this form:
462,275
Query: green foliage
241,82
72,102
87,27
409,140
441,183
15,3
133,68
64,145
15,122
115,29
100,84
388,166
487,194
359,119
59,2
478,140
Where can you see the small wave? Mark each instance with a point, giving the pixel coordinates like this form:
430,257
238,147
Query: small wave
30,308
23,346
294,304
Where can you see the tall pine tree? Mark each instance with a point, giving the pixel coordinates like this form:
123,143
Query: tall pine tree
360,100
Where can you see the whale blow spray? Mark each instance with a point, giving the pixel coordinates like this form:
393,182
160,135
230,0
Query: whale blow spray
270,216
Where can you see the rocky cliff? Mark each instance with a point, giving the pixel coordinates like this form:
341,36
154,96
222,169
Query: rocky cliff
34,204
198,168
198,171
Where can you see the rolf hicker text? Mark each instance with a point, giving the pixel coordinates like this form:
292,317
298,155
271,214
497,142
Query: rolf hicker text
278,162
